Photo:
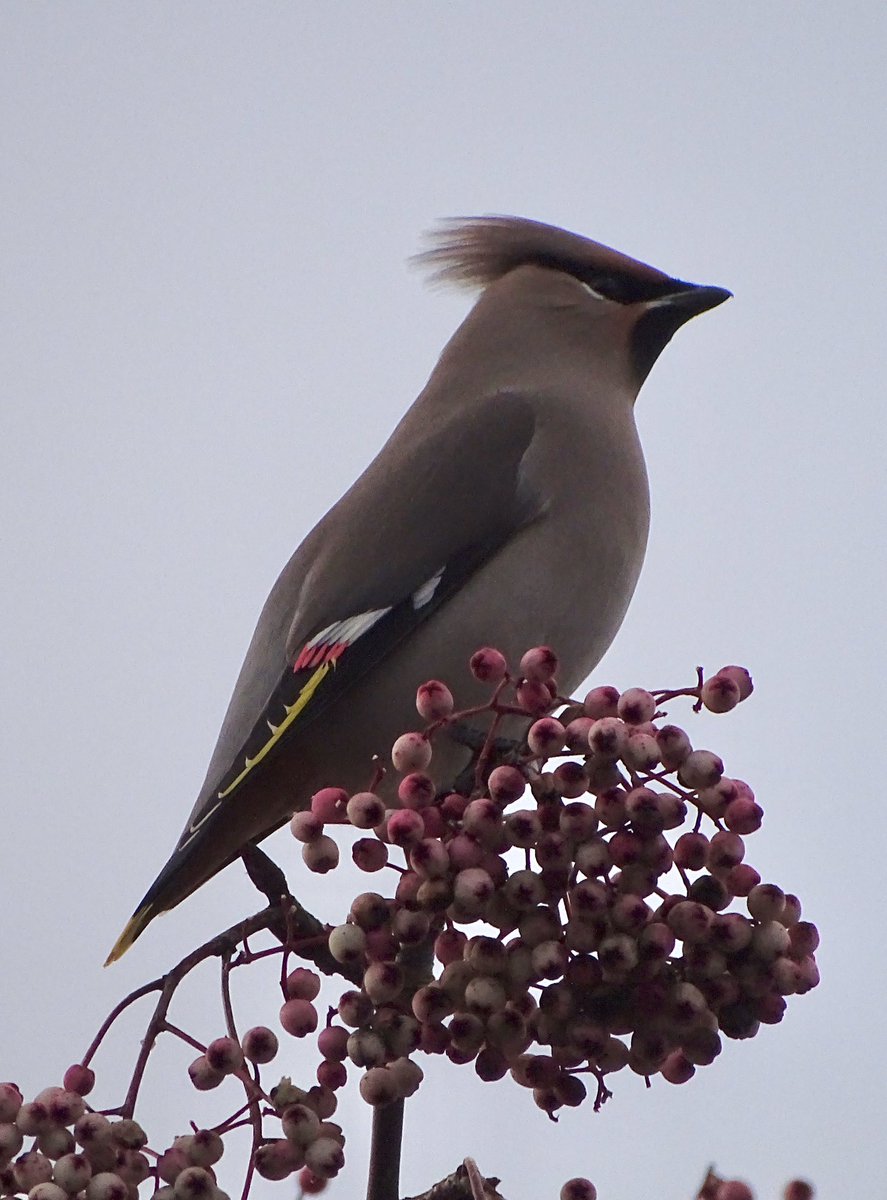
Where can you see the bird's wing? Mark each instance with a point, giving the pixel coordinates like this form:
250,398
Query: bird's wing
412,529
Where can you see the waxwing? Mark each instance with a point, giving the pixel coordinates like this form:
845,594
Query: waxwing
508,508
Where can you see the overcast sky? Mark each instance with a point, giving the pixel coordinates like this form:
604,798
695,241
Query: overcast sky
208,329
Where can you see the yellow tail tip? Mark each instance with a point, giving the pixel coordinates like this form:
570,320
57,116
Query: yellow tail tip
134,926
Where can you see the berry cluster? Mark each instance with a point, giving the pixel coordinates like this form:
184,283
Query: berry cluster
311,1142
77,1152
584,908
625,928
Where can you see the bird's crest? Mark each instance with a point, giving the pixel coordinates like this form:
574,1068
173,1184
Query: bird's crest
475,251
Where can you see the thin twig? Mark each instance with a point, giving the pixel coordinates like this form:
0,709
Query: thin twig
154,986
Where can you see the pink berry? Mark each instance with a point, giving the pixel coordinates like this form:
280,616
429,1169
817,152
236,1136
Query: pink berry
601,702
539,665
434,700
47,1191
453,806
570,780
411,752
577,821
325,1157
79,1079
690,921
506,784
791,914
383,982
656,942
522,828
700,769
311,1184
332,1075
92,1128
106,1185
645,810
725,850
378,1086
449,946
641,751
483,820
608,737
10,1101
347,943
546,737
300,1124
195,1183
33,1117
464,851
766,902
618,955
224,1054
365,810
306,826
321,855
55,1142
488,665
72,1172
578,1189
416,790
690,851
731,932
207,1148
11,1141
369,855
674,746
330,805
524,890
301,984
133,1167
405,827
743,815
408,1075
742,679
472,889
298,1017
128,1134
277,1160
720,693
370,911
576,734
804,938
636,706
798,1189
733,1189
430,858
535,697
808,974
172,1163
203,1076
741,879
31,1169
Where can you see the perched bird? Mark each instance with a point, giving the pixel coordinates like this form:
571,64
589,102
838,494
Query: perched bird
509,508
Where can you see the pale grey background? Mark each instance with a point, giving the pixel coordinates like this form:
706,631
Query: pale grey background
207,331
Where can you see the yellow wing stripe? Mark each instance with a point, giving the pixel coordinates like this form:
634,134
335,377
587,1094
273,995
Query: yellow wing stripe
292,713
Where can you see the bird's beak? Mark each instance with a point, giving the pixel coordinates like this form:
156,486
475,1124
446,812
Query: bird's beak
691,300
659,319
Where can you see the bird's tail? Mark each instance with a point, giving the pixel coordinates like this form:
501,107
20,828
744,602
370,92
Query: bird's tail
134,927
